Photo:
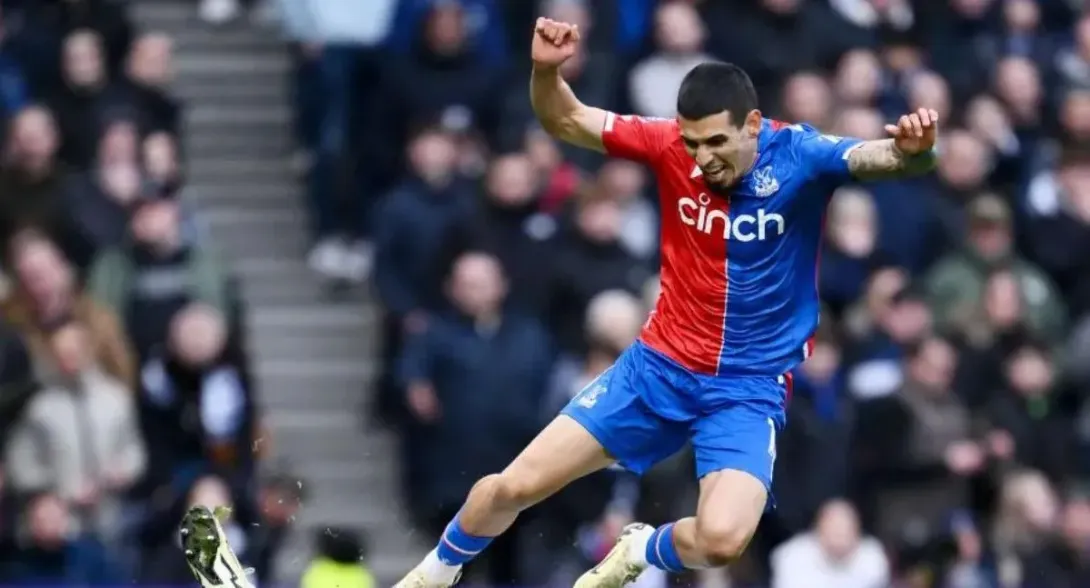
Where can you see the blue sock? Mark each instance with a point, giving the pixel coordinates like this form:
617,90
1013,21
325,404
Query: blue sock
456,547
661,552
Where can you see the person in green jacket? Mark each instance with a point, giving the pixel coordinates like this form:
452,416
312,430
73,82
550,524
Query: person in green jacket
955,285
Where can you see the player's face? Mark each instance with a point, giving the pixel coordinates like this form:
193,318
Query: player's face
723,149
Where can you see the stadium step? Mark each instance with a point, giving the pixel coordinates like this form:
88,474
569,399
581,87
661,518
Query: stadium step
313,356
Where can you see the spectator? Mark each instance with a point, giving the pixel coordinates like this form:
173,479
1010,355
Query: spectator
445,76
1075,531
865,123
859,78
416,219
46,298
109,21
625,183
927,87
559,178
588,259
892,318
1058,224
52,553
207,459
987,119
486,38
103,197
157,273
962,174
339,55
148,74
30,184
1030,425
807,98
834,554
337,44
957,280
80,439
1022,31
1018,85
1023,528
84,97
508,223
916,450
679,37
162,162
413,223
999,329
851,248
198,372
459,374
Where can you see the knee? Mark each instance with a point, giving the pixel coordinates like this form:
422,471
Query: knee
513,492
721,543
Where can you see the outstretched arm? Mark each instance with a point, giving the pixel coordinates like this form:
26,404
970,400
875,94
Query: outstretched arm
561,114
883,160
910,151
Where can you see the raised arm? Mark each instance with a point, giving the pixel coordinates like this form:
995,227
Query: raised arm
911,151
561,114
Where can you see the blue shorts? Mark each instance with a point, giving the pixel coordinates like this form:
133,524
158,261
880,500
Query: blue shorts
646,406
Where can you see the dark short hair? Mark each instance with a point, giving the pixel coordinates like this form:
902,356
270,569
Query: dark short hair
715,87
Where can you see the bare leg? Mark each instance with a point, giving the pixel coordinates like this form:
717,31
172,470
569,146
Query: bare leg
730,507
562,453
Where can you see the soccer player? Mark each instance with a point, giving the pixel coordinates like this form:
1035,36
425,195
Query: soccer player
742,200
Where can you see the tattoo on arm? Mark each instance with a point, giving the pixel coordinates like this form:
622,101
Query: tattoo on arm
880,160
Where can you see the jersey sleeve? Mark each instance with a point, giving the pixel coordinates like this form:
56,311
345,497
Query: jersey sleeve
637,138
825,155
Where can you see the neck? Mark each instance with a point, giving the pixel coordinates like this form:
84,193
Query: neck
750,157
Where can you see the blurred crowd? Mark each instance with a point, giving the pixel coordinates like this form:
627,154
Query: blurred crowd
939,435
125,392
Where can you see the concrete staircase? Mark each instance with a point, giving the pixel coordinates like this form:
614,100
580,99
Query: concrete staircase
314,355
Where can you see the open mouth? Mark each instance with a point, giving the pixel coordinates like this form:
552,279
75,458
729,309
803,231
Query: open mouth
718,174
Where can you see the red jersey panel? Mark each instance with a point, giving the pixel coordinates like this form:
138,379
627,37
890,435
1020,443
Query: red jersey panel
688,321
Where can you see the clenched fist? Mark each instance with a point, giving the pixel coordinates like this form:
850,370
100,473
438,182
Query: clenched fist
554,42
